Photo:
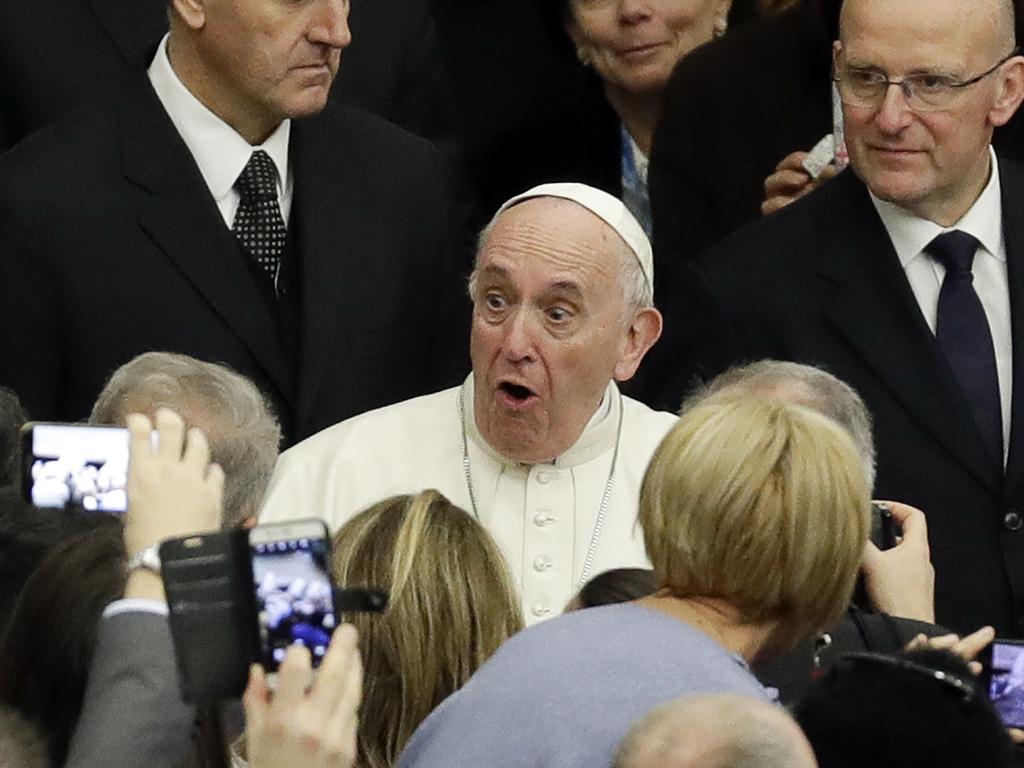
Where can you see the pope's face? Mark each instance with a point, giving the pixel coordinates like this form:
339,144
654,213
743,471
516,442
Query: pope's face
267,60
550,327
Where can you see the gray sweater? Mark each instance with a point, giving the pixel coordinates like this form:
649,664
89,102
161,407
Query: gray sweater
563,693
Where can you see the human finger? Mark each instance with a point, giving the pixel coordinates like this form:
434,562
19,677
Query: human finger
1016,735
197,450
255,699
171,434
337,665
343,727
139,430
971,645
292,679
793,161
911,520
786,182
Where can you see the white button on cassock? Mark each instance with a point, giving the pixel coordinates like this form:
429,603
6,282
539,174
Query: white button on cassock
542,519
542,563
540,610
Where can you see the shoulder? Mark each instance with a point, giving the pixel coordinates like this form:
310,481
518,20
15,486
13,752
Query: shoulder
643,422
791,240
420,420
346,127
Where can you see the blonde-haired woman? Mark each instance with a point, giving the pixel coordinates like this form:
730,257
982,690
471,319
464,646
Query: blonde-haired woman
755,514
452,604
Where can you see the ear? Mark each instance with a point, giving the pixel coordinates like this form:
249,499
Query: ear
722,8
1009,91
192,13
643,331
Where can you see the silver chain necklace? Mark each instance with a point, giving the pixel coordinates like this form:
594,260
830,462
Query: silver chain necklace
602,511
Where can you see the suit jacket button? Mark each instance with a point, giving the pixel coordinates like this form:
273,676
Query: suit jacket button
1013,520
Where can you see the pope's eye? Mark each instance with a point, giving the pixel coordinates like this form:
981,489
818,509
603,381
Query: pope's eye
494,302
559,314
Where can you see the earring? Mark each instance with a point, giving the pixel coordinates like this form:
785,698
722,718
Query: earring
721,25
583,54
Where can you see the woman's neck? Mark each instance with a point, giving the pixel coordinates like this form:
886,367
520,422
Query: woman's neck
718,620
638,112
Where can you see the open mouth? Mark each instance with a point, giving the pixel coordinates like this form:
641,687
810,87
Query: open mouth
516,394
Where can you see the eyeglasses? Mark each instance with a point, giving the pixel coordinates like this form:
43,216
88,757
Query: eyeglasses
964,689
924,91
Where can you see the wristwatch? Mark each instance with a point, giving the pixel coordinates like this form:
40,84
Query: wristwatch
148,558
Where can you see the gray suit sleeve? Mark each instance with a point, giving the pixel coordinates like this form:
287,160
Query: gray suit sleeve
132,715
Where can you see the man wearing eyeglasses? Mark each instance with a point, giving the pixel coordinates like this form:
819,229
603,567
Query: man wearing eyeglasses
902,276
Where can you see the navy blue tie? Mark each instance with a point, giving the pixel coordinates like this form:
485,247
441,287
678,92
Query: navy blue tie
963,333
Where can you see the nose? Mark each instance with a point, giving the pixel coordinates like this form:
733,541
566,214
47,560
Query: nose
518,343
330,27
894,113
632,11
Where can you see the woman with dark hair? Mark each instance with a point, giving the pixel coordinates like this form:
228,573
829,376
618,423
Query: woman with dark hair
618,585
47,646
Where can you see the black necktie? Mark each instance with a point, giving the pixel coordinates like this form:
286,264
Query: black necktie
964,335
258,223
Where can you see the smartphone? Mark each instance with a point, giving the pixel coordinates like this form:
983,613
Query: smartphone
883,527
1003,678
76,466
208,583
294,595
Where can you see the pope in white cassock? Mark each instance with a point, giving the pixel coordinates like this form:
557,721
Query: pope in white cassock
538,442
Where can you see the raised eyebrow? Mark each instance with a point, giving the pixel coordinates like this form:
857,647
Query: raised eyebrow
570,287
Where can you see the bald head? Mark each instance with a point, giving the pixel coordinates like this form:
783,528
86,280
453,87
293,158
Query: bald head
995,20
715,731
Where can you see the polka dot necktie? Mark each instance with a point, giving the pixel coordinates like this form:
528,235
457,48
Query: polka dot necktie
964,335
258,223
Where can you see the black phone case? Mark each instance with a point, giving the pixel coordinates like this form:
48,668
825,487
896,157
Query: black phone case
208,580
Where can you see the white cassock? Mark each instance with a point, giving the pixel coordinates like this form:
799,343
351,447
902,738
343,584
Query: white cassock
545,517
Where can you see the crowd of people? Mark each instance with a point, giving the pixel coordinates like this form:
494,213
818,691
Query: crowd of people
765,510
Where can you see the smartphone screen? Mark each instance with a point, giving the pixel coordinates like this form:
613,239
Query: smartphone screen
1005,681
294,594
75,465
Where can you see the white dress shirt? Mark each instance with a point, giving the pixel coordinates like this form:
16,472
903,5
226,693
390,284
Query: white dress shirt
219,151
911,234
542,516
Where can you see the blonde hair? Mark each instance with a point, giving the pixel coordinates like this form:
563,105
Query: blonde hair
762,504
452,604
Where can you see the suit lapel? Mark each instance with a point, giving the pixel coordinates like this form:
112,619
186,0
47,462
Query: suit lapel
1011,178
875,310
183,221
135,26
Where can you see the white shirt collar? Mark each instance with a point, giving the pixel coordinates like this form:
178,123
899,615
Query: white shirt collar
910,234
219,151
598,436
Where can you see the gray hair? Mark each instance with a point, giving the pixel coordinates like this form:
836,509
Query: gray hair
805,385
715,731
244,435
637,292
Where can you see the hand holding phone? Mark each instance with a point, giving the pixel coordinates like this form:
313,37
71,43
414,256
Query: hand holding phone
1003,679
173,489
302,724
900,581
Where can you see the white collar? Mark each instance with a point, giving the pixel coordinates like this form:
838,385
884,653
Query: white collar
910,234
598,436
219,151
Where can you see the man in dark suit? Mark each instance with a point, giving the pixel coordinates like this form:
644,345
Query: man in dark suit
142,223
735,109
863,285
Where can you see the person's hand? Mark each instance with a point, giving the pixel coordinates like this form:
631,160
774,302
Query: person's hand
967,647
173,489
790,181
901,581
314,728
